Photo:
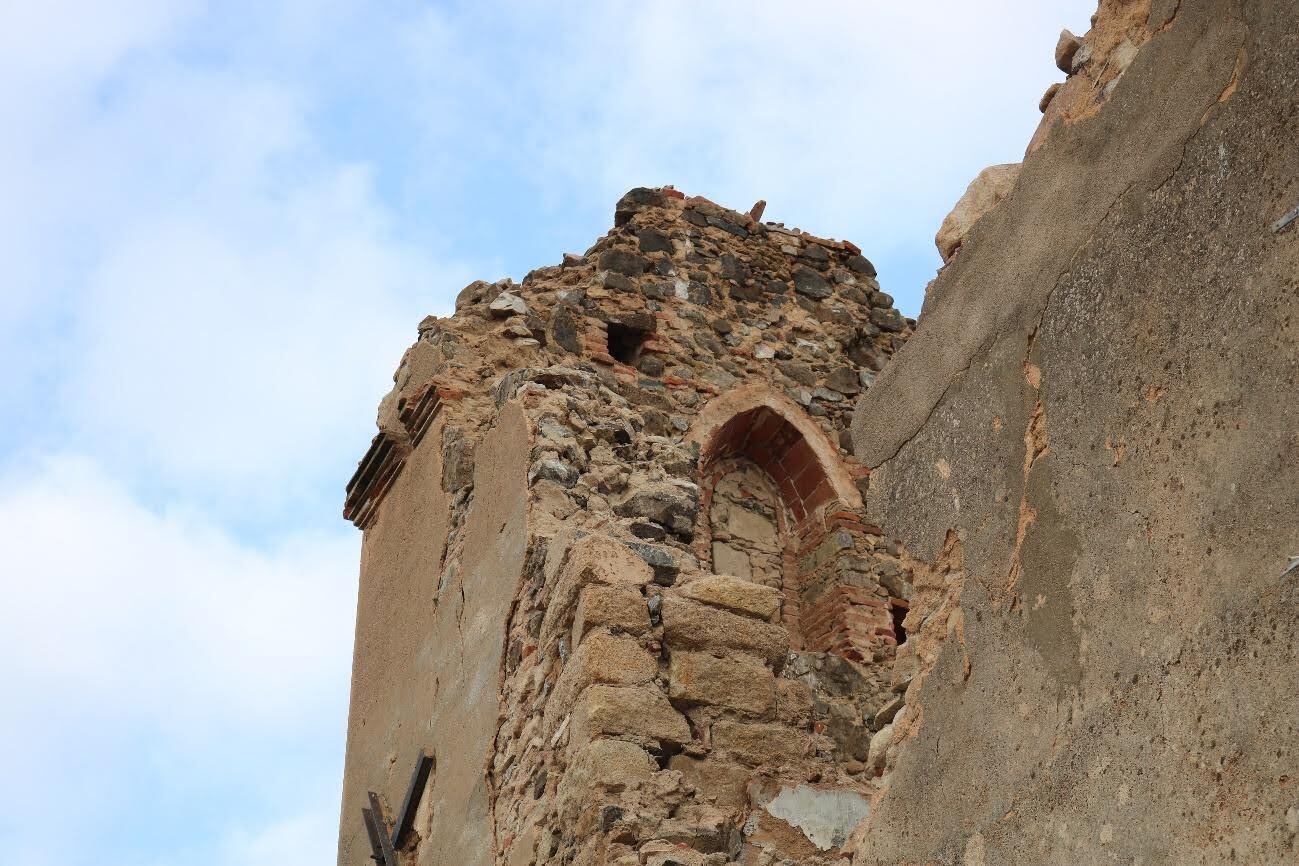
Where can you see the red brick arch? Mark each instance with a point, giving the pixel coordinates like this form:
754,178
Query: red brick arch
766,427
821,524
779,449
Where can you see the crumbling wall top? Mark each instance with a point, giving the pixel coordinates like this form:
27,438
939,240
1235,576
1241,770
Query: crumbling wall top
681,301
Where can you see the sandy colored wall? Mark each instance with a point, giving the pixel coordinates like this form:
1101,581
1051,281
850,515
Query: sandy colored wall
1091,445
427,663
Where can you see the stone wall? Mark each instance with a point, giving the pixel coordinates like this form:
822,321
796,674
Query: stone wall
1088,451
689,657
650,718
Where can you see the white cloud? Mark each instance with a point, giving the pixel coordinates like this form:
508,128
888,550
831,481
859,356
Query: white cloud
306,839
163,616
231,347
863,120
63,42
159,659
210,296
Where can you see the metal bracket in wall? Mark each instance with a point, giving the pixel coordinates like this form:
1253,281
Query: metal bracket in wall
414,792
381,850
383,844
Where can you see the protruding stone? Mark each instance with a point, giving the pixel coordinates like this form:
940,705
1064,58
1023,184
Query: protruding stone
816,254
861,265
885,714
617,606
1048,96
563,331
609,763
623,262
550,469
689,625
634,201
888,319
758,744
642,712
734,594
984,193
600,658
474,293
593,559
651,240
508,304
734,681
1081,58
1065,49
844,380
718,780
666,504
808,282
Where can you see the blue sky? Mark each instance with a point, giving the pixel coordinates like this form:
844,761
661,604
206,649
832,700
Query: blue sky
220,225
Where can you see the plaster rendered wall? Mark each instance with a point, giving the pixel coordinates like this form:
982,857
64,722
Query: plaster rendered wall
1090,452
428,658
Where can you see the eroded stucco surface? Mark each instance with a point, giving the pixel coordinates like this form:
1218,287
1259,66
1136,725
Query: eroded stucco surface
429,648
1089,450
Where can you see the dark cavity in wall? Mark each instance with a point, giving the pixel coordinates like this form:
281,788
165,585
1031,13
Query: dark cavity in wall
625,342
899,613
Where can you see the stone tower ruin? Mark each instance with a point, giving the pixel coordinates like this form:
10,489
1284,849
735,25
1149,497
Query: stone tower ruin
617,582
692,551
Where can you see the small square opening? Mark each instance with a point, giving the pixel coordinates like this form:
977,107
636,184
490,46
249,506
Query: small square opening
625,342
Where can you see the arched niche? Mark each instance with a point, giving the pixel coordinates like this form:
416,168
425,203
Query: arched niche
769,429
772,485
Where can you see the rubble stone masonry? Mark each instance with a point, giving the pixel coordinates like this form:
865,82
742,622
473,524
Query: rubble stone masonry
687,643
